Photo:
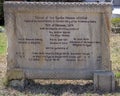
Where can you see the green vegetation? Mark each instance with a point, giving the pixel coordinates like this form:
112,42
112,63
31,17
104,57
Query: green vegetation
3,43
117,75
115,22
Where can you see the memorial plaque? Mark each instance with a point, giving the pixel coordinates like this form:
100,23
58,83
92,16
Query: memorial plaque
58,40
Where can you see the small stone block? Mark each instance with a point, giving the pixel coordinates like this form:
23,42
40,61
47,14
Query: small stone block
17,83
104,81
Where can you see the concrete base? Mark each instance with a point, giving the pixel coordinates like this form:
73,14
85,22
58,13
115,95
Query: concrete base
104,81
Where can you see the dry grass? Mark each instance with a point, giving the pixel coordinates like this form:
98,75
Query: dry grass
3,44
115,51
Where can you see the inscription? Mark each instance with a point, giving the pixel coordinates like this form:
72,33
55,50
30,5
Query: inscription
59,38
55,56
29,40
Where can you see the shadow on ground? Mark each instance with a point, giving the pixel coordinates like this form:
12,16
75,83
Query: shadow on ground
58,89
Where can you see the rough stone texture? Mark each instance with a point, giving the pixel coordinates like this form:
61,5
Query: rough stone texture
57,40
15,74
104,81
17,83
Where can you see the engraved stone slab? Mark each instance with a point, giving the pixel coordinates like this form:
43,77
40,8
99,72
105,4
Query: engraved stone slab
58,40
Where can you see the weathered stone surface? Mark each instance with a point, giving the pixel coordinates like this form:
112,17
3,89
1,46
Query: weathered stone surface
15,74
17,83
104,81
20,83
58,40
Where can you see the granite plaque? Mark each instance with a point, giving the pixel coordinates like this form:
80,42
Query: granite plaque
57,40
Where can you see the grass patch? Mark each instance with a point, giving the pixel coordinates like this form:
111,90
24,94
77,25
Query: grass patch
3,43
115,51
115,22
117,75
